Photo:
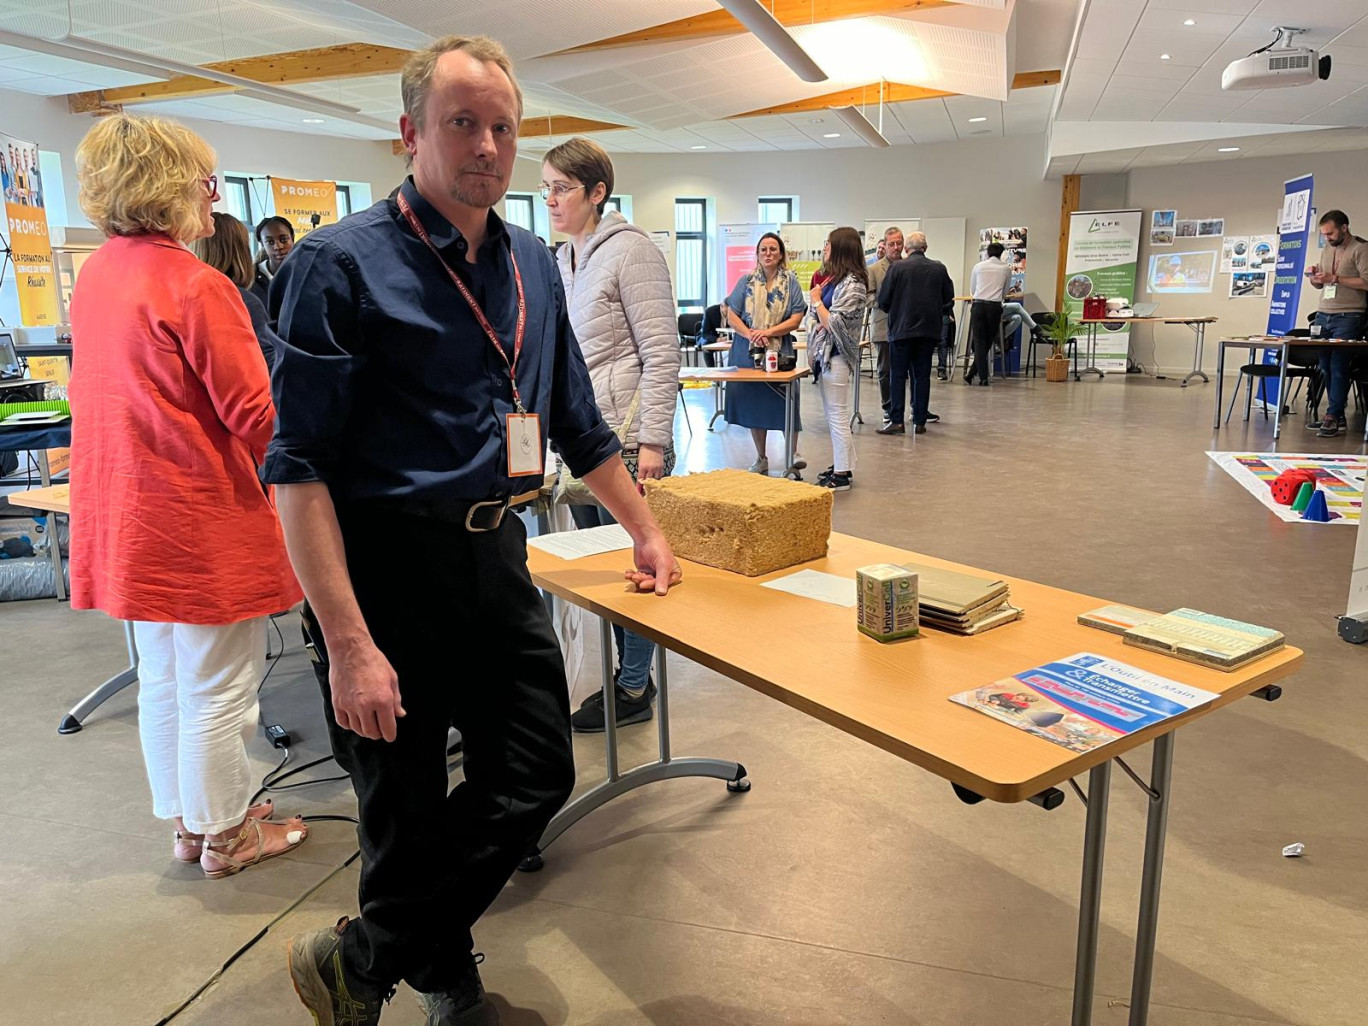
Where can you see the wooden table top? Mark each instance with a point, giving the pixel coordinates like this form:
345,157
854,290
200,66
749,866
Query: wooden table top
56,498
741,374
809,655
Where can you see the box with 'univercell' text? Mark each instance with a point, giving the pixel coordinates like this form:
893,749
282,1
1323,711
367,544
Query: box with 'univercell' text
888,602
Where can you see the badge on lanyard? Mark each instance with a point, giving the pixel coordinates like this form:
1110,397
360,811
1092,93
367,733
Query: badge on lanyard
522,430
1329,291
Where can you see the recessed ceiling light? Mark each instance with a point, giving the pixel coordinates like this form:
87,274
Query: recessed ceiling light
1228,149
832,135
1189,23
976,121
1165,57
698,147
313,121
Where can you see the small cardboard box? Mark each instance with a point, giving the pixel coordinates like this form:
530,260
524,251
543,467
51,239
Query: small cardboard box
888,605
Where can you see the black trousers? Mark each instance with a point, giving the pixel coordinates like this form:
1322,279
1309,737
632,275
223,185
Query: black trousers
910,358
881,371
985,325
472,644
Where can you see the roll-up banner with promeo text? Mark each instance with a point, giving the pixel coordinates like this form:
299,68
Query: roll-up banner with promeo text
27,232
306,205
1104,247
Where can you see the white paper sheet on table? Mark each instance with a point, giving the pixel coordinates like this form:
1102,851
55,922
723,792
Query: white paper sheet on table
578,544
813,584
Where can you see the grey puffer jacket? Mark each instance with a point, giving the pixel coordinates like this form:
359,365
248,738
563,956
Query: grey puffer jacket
623,313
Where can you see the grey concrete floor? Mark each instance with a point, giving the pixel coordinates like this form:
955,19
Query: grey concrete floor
847,886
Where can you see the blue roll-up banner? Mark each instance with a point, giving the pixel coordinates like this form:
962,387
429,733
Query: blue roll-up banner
1294,234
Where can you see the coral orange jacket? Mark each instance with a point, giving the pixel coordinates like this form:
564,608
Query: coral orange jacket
171,413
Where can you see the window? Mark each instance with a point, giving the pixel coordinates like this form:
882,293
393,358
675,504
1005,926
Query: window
778,209
622,204
344,201
691,254
237,197
518,210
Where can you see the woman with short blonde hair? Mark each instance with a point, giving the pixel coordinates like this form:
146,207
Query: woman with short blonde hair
170,529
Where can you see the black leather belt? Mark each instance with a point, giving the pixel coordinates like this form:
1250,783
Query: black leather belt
476,517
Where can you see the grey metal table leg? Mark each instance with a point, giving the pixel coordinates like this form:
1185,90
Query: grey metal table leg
71,722
54,532
1282,393
1090,899
665,768
791,429
1156,829
1220,382
718,408
1197,372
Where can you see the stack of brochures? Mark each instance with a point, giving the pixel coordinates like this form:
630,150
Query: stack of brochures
1083,701
962,603
1116,619
1204,638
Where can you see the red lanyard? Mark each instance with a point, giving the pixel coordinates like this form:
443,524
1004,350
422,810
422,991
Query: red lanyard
421,232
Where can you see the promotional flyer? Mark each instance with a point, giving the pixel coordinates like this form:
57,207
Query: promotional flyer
27,231
1104,247
306,205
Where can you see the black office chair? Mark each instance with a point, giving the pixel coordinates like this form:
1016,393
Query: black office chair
689,326
1265,372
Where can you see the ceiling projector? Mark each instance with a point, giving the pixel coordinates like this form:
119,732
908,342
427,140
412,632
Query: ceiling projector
1278,64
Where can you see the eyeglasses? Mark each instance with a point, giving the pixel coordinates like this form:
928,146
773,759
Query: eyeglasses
211,184
558,190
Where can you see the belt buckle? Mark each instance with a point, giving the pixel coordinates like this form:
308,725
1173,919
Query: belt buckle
499,504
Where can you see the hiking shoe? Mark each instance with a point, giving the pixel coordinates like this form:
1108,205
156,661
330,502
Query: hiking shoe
760,466
321,981
589,718
1329,427
465,1005
836,482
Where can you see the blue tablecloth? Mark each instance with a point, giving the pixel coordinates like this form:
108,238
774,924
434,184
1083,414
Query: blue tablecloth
48,436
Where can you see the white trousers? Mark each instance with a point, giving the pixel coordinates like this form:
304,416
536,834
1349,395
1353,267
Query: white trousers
835,387
197,706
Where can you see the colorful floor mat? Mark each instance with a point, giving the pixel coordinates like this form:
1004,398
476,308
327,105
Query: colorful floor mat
1340,477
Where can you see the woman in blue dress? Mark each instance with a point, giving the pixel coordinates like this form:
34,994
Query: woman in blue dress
765,306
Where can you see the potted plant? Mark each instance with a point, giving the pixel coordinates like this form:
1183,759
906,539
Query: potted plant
1060,329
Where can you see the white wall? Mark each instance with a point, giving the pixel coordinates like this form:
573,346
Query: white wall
46,121
1248,194
987,182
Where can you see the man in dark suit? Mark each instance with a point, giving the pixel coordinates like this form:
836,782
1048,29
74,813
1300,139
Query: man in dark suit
916,294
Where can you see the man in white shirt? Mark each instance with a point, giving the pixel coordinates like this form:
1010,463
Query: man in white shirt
987,284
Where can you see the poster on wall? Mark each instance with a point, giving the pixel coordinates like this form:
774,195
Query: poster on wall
27,231
803,242
874,233
1186,230
738,251
1211,226
1249,285
1234,253
662,241
1181,273
1163,223
1101,260
1263,252
306,205
1013,242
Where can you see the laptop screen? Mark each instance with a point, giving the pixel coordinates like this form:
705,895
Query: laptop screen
9,359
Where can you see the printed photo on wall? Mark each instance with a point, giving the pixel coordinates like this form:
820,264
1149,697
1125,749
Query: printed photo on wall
1234,253
1249,285
1181,272
1163,223
1211,226
1013,241
1186,230
1263,252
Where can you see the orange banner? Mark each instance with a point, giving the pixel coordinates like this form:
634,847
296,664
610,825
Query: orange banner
30,246
306,205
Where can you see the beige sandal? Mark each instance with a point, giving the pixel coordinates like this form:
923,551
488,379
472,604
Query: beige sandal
218,852
191,842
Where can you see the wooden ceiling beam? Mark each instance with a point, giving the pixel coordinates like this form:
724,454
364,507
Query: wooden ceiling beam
893,92
789,13
349,60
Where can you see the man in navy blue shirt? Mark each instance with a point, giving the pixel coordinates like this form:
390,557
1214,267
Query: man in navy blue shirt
426,356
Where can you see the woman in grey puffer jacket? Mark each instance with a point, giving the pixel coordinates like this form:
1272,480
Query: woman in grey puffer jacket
617,289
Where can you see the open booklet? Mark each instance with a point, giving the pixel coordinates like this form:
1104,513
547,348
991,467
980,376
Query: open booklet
1084,701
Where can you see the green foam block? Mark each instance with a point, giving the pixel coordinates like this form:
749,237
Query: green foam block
1303,498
